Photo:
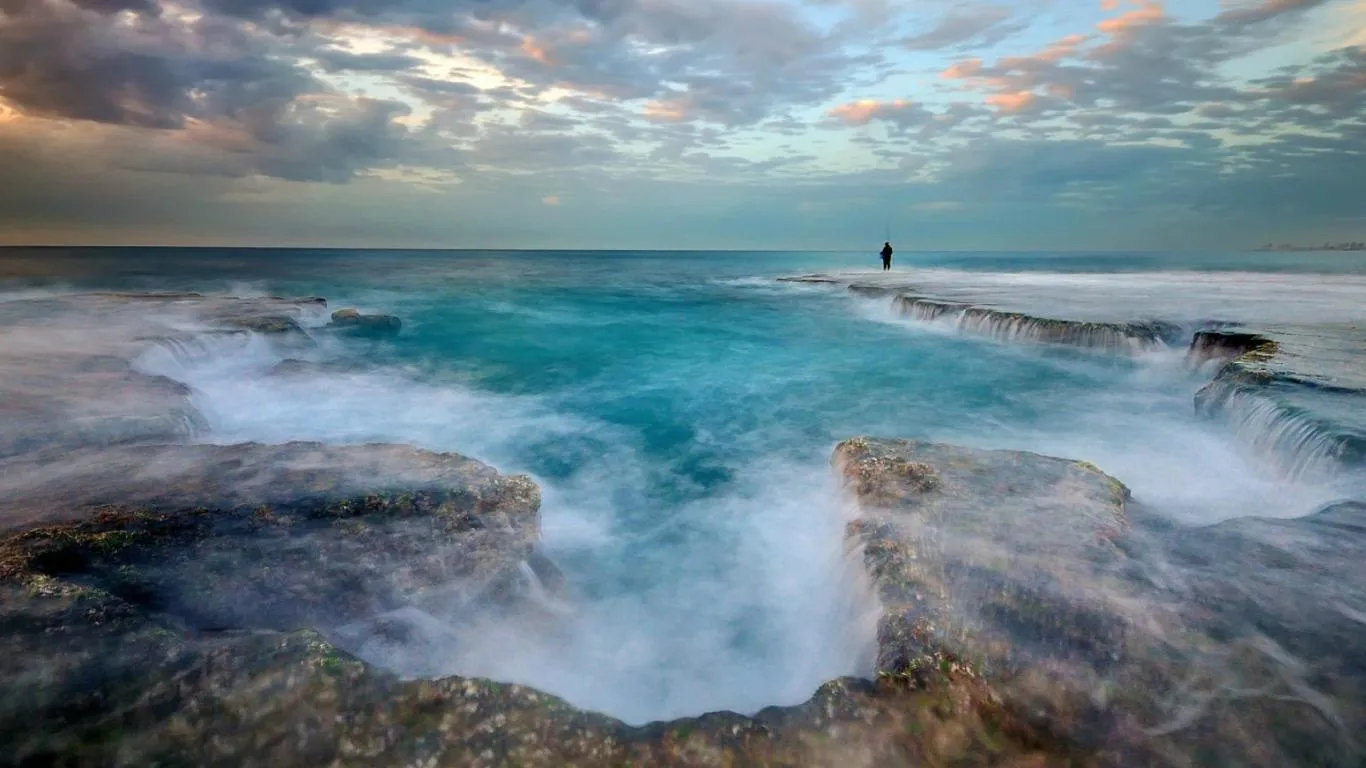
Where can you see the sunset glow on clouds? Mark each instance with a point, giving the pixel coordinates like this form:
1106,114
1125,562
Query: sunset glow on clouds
683,123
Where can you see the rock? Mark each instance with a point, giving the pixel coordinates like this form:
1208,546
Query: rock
873,291
265,324
354,322
70,379
194,622
992,320
294,367
1226,345
200,610
1144,641
999,560
1296,395
1284,680
71,401
809,279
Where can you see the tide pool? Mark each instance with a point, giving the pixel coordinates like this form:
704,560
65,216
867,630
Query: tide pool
678,411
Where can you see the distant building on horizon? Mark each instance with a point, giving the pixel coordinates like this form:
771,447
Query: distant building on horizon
1351,245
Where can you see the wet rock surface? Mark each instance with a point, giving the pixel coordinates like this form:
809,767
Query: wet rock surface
201,626
1147,642
69,387
1007,326
205,617
173,604
54,400
1299,393
352,322
1294,392
189,604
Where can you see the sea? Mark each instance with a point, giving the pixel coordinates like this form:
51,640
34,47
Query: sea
678,410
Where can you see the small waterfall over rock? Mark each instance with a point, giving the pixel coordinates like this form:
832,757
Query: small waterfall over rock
1299,446
1014,327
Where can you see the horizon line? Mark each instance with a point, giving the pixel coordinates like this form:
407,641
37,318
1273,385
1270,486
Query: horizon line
446,249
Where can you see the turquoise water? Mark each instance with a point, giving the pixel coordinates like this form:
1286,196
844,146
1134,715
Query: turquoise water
679,411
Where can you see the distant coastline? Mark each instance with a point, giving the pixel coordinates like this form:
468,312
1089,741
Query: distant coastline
1343,246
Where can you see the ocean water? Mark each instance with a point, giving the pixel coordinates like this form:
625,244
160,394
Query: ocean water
679,410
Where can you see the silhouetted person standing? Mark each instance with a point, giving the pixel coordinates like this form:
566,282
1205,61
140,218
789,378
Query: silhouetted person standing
886,256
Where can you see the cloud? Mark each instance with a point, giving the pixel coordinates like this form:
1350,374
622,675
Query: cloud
900,112
1018,101
207,109
1335,83
61,60
1148,12
938,206
1265,10
333,60
971,24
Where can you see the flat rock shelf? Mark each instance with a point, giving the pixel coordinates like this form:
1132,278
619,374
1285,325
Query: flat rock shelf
169,602
1295,390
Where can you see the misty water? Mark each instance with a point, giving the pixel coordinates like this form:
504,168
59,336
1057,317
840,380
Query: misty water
678,411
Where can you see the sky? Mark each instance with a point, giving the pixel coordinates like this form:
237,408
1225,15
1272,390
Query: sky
786,124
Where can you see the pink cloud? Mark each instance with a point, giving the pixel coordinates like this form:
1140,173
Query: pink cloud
962,69
1148,12
1010,103
669,111
534,50
1061,49
863,111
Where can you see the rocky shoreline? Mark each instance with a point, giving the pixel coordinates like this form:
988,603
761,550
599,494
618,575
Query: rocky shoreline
165,602
1297,393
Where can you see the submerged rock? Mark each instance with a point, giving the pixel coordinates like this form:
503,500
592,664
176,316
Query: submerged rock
266,324
294,367
352,321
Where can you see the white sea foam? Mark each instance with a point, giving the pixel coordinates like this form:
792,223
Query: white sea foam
1250,297
737,599
751,609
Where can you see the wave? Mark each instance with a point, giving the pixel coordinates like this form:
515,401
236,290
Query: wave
738,599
